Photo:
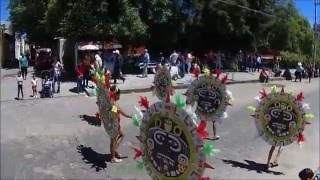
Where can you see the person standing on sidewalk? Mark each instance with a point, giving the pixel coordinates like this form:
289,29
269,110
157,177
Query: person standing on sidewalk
57,67
146,60
218,60
23,63
189,60
117,67
80,84
298,73
20,85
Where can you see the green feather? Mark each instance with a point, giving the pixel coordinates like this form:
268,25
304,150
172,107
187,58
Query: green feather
291,92
136,121
252,108
139,165
180,102
208,148
309,116
274,89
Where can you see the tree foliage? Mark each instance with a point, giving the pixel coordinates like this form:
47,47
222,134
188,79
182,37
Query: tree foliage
198,25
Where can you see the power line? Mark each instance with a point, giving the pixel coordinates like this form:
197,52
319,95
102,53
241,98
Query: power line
250,9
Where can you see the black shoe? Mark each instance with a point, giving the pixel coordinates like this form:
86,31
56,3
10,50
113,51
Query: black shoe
123,80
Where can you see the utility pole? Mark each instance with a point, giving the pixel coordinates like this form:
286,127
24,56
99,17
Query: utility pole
316,31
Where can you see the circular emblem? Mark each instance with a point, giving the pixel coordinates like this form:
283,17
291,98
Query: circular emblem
279,118
171,147
105,104
162,83
210,96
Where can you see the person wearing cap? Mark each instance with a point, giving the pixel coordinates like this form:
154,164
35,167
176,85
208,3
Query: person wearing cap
298,73
146,60
116,74
308,174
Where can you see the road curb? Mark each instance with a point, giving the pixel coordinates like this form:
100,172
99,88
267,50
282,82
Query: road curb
185,86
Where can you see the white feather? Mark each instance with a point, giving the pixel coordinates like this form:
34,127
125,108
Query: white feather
306,106
187,79
257,98
138,111
224,115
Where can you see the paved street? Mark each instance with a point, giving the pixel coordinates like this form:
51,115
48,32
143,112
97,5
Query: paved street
47,139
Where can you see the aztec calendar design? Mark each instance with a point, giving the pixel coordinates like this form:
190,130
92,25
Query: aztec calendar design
171,147
280,117
210,96
108,118
162,83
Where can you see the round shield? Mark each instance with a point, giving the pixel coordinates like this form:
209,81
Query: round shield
108,118
210,97
170,144
279,118
162,83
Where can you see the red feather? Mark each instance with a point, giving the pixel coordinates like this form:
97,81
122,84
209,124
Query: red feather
107,75
144,102
300,97
98,116
201,129
172,92
301,138
196,72
204,178
94,80
107,84
263,93
218,72
282,90
112,95
138,153
224,79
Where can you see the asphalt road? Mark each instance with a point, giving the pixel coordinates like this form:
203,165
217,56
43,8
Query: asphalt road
46,139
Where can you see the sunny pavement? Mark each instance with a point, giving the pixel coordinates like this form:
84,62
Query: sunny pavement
46,139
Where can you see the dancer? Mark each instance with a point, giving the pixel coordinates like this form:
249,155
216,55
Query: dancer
271,109
308,174
116,141
34,85
275,162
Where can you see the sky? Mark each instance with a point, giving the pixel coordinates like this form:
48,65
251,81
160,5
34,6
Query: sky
306,8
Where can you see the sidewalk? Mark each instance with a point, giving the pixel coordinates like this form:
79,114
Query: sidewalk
133,83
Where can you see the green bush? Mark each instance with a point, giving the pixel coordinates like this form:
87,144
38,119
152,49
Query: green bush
292,59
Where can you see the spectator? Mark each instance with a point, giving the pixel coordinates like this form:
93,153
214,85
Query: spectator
98,59
20,85
298,73
23,63
189,60
257,63
57,68
218,60
116,74
161,59
264,76
146,60
80,70
173,58
287,74
308,174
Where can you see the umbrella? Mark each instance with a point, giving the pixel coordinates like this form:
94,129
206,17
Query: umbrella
88,47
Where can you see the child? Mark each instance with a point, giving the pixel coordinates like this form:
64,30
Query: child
34,85
20,83
115,142
308,174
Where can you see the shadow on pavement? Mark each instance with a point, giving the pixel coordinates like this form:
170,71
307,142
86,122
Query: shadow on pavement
73,90
252,166
96,160
91,120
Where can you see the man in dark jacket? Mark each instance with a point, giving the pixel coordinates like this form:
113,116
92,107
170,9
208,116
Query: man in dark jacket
117,67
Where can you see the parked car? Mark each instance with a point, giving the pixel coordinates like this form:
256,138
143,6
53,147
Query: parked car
43,59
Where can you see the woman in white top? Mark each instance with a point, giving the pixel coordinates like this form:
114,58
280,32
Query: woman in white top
57,67
34,85
20,84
